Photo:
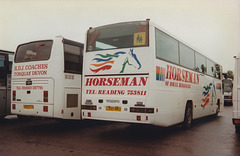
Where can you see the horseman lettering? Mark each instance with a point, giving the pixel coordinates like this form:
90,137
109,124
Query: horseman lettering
117,81
178,74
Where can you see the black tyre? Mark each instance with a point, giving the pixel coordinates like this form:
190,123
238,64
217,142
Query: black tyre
188,117
237,128
217,111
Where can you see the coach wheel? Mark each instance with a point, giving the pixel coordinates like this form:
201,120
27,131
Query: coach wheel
217,111
188,117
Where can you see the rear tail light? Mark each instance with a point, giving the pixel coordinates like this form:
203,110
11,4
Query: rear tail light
141,110
138,118
89,114
13,106
45,108
45,96
14,95
236,121
149,110
89,107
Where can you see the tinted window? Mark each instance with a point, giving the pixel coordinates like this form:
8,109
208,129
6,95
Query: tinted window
121,35
34,51
166,47
200,63
3,75
10,59
186,56
72,58
211,69
2,60
218,71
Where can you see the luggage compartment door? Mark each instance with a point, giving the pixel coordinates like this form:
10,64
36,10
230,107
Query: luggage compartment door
72,105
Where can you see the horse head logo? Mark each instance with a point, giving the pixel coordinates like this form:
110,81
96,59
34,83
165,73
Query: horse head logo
131,60
105,62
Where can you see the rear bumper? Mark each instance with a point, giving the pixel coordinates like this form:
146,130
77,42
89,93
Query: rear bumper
38,110
143,118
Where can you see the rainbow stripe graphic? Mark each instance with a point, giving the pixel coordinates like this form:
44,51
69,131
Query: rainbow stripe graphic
206,95
160,73
104,62
219,86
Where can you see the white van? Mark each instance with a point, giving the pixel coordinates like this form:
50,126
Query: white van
236,94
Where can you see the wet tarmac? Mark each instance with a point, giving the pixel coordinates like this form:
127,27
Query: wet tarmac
207,137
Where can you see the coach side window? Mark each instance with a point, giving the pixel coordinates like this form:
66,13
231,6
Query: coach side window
186,56
72,59
211,69
200,63
166,47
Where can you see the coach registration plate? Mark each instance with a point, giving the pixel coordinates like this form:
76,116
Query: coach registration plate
117,109
28,107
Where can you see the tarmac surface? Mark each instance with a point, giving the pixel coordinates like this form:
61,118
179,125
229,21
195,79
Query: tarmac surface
207,137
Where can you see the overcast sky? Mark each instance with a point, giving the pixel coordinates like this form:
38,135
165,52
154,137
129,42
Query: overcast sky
210,26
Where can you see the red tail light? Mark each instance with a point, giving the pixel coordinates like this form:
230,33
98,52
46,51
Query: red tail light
14,95
89,114
236,121
45,96
13,106
89,107
138,118
45,108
